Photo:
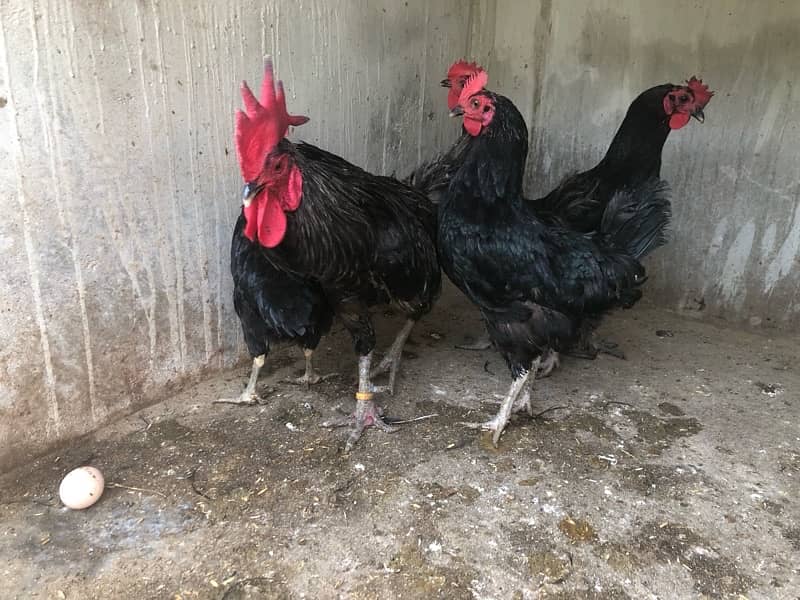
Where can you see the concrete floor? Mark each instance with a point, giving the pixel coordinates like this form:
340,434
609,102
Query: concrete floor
673,474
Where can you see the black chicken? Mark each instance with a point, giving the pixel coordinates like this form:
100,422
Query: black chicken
337,240
274,306
536,285
633,157
434,176
579,202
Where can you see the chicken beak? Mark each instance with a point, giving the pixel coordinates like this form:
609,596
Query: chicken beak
457,111
445,83
249,191
699,115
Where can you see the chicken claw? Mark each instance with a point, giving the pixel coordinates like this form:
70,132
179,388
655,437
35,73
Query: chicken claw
309,377
367,414
496,424
511,403
244,399
589,349
523,402
550,362
307,380
249,397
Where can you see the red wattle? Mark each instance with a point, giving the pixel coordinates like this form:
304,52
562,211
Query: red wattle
271,221
678,120
472,126
265,222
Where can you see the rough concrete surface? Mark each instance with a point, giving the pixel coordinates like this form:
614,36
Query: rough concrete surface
574,67
119,186
673,474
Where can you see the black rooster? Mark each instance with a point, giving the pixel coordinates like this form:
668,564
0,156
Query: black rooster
274,306
537,285
331,239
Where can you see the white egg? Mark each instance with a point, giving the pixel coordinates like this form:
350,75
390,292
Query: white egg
81,487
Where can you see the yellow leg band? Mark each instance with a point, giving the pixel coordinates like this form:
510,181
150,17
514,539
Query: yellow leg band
364,396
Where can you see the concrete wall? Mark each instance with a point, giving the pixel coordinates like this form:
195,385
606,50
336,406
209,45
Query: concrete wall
736,179
119,185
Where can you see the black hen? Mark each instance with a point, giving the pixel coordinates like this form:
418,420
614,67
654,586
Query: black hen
633,157
433,176
536,285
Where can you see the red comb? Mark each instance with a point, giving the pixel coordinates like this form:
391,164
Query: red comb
700,91
262,124
462,68
474,84
458,73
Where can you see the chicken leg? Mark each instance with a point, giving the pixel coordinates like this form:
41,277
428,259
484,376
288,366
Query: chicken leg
391,362
249,396
310,377
549,362
367,413
523,402
500,420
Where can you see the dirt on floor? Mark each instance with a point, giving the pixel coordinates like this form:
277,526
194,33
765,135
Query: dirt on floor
672,474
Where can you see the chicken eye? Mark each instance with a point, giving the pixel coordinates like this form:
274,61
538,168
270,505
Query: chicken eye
684,98
475,103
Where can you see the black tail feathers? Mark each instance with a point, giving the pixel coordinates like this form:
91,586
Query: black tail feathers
432,178
637,218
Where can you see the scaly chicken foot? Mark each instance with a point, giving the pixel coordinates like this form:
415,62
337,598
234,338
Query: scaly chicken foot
249,396
310,376
523,401
367,413
500,420
550,361
391,361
